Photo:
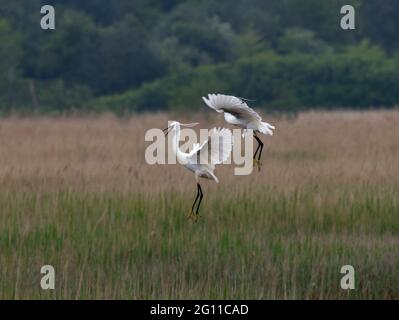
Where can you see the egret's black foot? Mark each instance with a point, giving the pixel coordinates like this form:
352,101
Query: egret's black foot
257,164
193,216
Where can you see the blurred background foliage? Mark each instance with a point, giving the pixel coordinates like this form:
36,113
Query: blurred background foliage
146,55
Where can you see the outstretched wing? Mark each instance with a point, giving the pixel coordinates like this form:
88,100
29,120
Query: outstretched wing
233,105
213,151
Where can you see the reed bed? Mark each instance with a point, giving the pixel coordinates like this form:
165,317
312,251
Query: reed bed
77,194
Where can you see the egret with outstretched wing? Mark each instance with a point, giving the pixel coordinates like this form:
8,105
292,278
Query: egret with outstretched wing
203,158
237,112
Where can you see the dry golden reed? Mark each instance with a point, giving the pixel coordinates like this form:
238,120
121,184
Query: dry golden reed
100,154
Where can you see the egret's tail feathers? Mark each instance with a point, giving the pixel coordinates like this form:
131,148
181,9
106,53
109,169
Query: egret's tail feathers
266,128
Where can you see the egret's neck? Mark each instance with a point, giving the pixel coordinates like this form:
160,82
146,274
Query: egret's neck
175,134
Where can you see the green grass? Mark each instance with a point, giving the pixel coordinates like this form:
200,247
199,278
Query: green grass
266,245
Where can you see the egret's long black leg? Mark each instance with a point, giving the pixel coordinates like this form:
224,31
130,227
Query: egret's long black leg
261,147
257,149
196,198
201,195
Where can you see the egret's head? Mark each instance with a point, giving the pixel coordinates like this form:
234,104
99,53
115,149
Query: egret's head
175,124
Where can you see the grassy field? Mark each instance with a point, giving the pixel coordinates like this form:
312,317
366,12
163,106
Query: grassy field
77,194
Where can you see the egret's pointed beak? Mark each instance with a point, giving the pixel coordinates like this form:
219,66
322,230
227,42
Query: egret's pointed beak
189,125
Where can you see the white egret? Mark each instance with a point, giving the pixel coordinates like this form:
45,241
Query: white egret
202,158
238,113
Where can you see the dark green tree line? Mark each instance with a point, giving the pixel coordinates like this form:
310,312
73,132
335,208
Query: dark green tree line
121,48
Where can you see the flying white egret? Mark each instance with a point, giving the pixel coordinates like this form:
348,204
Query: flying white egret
238,113
203,157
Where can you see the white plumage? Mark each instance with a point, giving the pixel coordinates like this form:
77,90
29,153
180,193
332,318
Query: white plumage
215,150
237,112
203,158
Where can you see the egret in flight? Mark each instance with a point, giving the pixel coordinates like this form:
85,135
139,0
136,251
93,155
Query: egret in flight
202,158
238,113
